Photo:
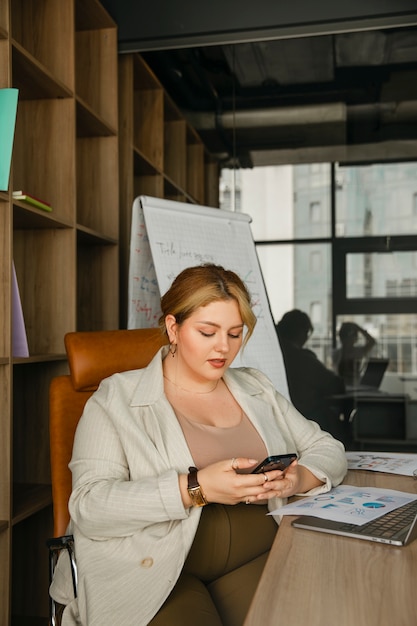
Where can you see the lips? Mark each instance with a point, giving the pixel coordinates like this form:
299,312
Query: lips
218,363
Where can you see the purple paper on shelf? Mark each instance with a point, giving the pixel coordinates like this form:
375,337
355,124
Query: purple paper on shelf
19,338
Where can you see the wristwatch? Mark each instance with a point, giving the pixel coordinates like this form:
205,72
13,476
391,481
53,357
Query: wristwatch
195,492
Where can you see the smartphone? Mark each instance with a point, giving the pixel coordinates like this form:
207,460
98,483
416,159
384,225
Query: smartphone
278,461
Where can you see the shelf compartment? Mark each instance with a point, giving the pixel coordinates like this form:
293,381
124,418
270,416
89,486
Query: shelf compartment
39,358
89,124
31,569
152,185
44,154
91,14
45,266
195,171
5,280
31,453
29,217
98,185
93,237
96,72
173,191
45,28
32,79
4,63
28,499
5,432
97,287
4,19
148,180
211,181
5,555
148,132
175,152
142,166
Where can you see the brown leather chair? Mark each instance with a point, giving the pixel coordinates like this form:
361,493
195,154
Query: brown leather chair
92,356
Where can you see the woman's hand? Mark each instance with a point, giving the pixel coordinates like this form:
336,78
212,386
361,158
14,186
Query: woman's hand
294,479
222,483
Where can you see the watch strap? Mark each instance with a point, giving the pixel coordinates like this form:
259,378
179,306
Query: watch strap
194,489
192,478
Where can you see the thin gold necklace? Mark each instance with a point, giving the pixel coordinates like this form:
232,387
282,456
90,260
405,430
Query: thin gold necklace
189,390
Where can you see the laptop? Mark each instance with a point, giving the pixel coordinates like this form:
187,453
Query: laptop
374,373
372,377
397,527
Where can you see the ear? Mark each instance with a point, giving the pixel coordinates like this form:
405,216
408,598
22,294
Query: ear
171,326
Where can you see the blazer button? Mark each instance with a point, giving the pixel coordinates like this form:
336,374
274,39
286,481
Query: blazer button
147,562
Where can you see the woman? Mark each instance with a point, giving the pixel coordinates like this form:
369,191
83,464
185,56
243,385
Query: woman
310,383
149,550
348,359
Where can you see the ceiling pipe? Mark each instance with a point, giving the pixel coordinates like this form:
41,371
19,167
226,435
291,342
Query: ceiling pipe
388,112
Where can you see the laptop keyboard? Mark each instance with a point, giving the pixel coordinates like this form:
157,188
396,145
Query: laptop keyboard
389,525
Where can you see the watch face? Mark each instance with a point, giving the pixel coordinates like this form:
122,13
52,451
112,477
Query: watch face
197,497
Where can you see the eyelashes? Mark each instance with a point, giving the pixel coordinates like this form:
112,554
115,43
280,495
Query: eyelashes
208,335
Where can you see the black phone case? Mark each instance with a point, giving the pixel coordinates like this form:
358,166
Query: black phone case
278,461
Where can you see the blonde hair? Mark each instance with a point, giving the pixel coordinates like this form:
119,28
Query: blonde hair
198,286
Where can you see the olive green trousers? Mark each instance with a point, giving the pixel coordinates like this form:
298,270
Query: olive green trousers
223,568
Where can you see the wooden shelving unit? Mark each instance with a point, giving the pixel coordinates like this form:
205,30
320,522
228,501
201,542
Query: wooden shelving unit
62,56
93,131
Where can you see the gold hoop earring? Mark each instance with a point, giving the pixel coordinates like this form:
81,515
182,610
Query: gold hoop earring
172,348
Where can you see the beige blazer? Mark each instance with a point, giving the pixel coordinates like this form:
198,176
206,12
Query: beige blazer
132,533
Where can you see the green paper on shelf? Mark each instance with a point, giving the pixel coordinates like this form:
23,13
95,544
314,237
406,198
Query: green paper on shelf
8,109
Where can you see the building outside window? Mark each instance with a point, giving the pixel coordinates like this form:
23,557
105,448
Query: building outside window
359,267
315,212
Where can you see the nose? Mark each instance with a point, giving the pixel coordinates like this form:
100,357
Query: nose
222,344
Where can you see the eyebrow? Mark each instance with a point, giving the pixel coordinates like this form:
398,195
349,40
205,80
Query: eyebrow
218,325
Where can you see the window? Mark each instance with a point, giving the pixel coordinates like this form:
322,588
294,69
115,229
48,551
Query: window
315,212
375,199
315,313
396,339
360,267
380,275
315,261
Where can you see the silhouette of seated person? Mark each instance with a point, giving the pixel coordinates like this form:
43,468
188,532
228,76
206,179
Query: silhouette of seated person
310,382
348,359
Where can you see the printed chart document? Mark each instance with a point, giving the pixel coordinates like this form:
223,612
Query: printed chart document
350,504
388,462
8,109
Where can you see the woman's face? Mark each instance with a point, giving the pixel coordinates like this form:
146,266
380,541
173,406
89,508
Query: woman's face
207,341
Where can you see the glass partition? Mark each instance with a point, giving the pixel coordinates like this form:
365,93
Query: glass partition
381,275
361,268
377,199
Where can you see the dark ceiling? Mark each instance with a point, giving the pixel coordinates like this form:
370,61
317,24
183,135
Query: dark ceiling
321,97
252,99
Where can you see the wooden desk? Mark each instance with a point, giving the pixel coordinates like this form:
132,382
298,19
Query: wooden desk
315,579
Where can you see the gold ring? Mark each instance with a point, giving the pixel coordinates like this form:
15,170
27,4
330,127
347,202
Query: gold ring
234,467
266,477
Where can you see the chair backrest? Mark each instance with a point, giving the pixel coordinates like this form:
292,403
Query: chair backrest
92,356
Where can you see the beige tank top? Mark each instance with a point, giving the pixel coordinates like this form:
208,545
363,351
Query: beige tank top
209,444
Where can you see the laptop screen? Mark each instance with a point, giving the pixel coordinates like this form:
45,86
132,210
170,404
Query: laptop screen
374,372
